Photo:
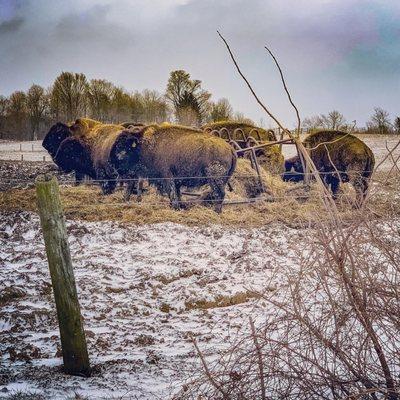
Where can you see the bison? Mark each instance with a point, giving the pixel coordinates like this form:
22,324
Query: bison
172,156
93,143
76,158
339,157
84,147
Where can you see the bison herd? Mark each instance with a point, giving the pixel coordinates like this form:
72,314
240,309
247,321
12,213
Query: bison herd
172,156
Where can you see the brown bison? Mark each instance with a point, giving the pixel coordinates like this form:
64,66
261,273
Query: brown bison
339,157
172,156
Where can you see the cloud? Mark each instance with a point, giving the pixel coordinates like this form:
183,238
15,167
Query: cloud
11,26
323,46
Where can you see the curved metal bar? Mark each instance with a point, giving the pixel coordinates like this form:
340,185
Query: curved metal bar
272,133
227,132
215,132
235,145
252,141
257,132
244,138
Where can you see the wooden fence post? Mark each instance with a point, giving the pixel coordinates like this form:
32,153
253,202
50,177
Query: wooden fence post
73,341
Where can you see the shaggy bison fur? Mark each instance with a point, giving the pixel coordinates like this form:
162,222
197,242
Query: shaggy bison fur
339,157
95,142
172,156
52,141
68,154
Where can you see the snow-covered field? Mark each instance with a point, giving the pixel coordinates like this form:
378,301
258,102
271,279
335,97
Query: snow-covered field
143,291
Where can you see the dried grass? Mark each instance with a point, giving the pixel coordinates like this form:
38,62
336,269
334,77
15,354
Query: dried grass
293,205
222,301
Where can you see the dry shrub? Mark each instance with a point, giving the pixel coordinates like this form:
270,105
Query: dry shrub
331,330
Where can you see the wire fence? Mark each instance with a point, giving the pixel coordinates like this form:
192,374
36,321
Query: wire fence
89,180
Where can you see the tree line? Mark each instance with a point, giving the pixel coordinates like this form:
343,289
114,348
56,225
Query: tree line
28,115
379,123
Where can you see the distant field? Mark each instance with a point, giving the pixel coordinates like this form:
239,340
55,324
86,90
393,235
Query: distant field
33,151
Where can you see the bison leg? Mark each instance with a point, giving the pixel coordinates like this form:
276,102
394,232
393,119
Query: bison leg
107,185
332,182
360,185
78,178
173,194
139,190
130,187
134,186
217,194
335,182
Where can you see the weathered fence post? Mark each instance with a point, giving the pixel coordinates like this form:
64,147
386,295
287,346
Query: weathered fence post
73,342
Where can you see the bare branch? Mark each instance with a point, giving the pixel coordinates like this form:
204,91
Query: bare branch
286,90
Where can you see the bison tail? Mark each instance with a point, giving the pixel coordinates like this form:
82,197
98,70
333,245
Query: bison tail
369,168
231,170
233,165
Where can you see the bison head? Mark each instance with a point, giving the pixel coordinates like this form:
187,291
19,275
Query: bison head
74,155
293,170
125,151
54,137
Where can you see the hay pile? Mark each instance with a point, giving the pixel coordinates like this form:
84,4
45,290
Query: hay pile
245,182
285,202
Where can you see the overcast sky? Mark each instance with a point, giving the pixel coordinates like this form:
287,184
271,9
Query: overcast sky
336,54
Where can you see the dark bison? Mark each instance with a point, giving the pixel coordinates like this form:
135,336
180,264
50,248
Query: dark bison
72,157
84,147
172,156
89,151
339,157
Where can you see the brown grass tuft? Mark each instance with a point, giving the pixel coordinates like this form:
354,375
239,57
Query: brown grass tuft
222,301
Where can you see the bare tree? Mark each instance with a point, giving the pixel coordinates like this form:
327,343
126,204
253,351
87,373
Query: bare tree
3,113
240,117
69,95
334,120
155,108
37,104
397,124
379,121
99,94
121,105
221,110
17,112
